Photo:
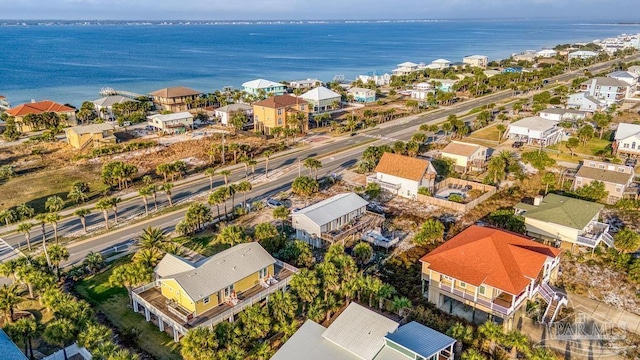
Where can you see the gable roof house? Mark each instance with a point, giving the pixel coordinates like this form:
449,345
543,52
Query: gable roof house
546,53
565,222
405,68
362,334
617,179
362,95
104,106
627,140
467,156
315,224
558,114
276,111
439,64
169,123
259,87
225,113
630,78
187,295
582,54
535,130
175,99
606,89
95,135
321,99
586,102
492,271
41,107
403,175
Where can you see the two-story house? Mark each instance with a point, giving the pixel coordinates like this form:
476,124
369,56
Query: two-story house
631,79
466,156
564,222
403,175
90,135
21,113
493,273
277,111
582,55
546,53
606,89
362,334
264,87
627,140
405,68
174,99
171,123
422,90
362,95
558,114
225,113
617,178
322,99
535,130
186,295
104,105
313,223
480,61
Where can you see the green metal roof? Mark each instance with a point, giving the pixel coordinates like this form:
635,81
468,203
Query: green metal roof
562,210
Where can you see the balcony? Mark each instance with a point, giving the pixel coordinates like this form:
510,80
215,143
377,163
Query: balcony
504,304
594,233
383,184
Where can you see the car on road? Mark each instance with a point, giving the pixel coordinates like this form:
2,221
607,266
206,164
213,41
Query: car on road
517,145
273,203
631,162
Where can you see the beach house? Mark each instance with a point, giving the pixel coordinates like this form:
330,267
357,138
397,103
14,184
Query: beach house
627,140
466,156
535,130
558,114
171,123
186,295
582,55
526,56
631,79
421,91
28,116
104,106
278,111
405,68
262,87
359,333
379,78
444,85
362,95
174,99
323,220
584,101
305,84
322,99
479,61
403,175
439,64
546,53
95,135
4,104
225,113
607,90
484,273
617,179
564,222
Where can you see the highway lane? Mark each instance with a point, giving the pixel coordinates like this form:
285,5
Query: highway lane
400,129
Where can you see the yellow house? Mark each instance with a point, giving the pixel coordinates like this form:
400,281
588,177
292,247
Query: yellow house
187,295
95,134
485,273
466,156
277,111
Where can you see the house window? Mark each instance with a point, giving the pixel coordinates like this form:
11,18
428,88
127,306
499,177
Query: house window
228,290
618,189
446,278
279,121
206,300
633,145
626,146
279,111
463,284
601,166
302,107
482,290
262,273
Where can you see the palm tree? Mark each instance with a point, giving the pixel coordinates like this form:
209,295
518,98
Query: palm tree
58,254
225,174
199,344
216,198
166,187
130,275
53,218
473,354
93,262
501,129
232,235
305,284
463,334
210,172
25,228
8,268
244,187
399,304
518,342
8,216
113,203
384,292
145,192
542,353
253,164
82,214
313,164
266,155
54,203
263,350
153,238
26,329
148,257
492,332
9,298
104,205
42,220
282,306
61,332
281,213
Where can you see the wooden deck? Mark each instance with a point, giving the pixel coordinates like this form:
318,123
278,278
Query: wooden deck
157,300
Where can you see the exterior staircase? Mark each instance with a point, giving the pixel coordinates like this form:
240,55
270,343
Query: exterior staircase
608,239
554,302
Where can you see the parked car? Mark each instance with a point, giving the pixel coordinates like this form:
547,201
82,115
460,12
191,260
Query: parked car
517,144
631,162
273,203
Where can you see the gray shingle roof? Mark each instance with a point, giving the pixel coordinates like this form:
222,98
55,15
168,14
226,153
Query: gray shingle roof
308,344
223,269
332,208
91,129
536,123
626,130
420,339
171,265
604,175
112,99
606,81
235,107
360,331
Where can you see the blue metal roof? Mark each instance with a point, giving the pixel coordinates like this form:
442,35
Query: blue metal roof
420,339
8,349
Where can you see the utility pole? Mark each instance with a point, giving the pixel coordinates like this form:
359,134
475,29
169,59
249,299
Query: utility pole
223,152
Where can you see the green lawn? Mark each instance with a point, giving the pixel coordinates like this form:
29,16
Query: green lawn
589,150
113,302
34,188
485,136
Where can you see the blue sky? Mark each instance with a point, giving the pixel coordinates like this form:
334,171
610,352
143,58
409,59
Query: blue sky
593,10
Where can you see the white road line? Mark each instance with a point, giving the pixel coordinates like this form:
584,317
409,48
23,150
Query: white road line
7,251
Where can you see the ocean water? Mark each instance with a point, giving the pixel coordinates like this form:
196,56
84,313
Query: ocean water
72,63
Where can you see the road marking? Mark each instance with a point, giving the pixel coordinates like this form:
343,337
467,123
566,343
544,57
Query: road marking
7,251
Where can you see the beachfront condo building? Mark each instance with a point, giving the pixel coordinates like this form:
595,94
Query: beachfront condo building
175,99
480,61
281,111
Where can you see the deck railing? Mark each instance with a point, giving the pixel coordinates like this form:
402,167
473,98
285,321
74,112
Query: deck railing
486,303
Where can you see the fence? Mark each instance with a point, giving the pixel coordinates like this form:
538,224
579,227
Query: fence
72,350
459,207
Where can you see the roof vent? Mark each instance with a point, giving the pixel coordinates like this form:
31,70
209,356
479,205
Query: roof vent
538,200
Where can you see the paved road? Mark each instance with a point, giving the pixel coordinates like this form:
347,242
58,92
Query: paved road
401,129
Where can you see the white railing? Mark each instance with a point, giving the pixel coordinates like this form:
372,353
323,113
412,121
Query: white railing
546,292
383,184
465,295
286,266
586,241
161,316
